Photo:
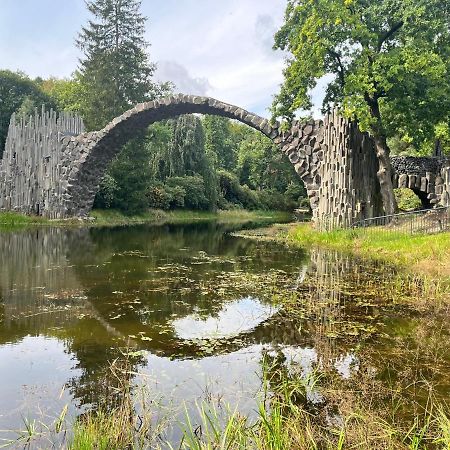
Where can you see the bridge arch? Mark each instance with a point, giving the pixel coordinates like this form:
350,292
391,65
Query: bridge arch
53,169
422,175
94,151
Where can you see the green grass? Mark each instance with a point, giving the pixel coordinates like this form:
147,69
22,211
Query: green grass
107,217
424,253
111,217
282,421
13,221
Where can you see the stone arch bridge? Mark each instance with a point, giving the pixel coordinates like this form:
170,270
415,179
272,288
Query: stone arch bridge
52,168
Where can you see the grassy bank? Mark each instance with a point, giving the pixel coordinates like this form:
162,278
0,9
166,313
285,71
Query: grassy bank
116,218
420,253
10,220
428,254
108,217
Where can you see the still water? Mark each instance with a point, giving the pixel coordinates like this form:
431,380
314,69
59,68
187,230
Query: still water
192,310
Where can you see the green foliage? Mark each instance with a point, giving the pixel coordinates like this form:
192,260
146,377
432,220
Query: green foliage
182,174
391,54
220,145
407,200
131,174
261,165
195,195
68,94
234,193
107,192
18,94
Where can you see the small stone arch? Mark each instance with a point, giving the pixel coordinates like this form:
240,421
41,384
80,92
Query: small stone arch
423,175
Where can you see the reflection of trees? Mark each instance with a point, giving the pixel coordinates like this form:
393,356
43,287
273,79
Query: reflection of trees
38,288
76,271
151,272
41,294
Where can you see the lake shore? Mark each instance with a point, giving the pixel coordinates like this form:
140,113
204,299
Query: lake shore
427,255
102,218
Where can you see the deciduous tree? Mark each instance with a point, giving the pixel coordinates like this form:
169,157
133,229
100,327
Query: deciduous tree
18,93
388,57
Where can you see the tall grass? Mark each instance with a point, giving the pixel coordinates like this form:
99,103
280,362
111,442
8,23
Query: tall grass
15,220
428,254
282,420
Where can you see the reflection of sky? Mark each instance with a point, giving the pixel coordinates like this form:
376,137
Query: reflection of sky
33,373
303,358
306,360
347,365
232,380
242,315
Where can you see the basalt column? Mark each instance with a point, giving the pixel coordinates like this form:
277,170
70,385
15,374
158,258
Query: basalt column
33,170
349,190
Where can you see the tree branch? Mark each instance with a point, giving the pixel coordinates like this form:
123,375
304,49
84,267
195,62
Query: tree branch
385,36
341,69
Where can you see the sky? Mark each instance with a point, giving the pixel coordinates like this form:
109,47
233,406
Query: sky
219,48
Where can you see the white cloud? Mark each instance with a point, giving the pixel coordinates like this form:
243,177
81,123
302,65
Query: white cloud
226,45
183,81
222,49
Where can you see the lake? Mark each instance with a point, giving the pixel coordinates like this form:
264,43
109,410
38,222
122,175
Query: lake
192,312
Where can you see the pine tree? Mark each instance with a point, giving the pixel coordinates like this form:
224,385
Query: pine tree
116,71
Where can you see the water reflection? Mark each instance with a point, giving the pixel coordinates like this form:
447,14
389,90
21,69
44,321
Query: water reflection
237,317
196,307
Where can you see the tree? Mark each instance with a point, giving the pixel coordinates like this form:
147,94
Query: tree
18,94
116,72
131,176
68,94
114,75
219,145
262,166
178,150
383,54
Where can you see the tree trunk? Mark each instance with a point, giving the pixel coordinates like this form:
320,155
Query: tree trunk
384,173
438,148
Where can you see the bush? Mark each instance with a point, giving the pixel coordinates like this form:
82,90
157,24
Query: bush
106,193
249,198
407,200
160,196
273,200
194,188
234,193
295,192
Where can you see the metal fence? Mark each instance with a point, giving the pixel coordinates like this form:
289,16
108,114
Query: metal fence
425,221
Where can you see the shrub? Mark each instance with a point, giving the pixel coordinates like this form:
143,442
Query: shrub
106,193
234,193
194,187
407,200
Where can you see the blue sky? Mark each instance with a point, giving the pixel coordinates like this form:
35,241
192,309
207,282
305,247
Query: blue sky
220,48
